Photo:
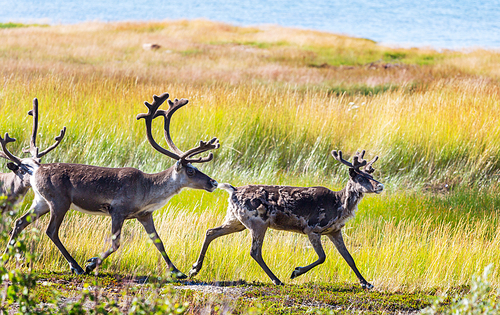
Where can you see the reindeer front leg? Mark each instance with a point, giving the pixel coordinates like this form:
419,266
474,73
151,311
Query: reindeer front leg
58,209
258,232
149,226
338,241
38,208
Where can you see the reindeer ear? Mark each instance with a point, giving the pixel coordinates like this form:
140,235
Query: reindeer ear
178,166
352,172
12,166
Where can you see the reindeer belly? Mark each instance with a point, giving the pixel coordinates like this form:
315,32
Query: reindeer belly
158,204
101,210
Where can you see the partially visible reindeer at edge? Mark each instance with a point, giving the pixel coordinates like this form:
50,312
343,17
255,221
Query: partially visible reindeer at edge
16,184
314,211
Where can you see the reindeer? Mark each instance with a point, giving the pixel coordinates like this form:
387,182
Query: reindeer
313,211
16,184
120,193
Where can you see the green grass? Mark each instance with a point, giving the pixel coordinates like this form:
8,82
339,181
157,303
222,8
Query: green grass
362,90
242,297
16,25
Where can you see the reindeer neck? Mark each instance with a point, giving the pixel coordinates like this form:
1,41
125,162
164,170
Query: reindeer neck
166,181
350,196
12,186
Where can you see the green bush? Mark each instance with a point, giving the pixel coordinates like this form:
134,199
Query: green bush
480,300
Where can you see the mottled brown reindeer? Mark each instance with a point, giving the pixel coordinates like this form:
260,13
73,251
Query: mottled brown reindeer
313,211
121,193
16,184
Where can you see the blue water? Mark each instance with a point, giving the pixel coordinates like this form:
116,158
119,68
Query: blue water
405,23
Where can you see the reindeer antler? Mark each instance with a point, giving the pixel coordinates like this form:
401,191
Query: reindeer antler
177,154
358,161
33,150
152,110
167,115
368,167
6,153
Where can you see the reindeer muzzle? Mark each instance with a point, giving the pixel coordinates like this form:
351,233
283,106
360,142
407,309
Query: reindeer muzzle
379,188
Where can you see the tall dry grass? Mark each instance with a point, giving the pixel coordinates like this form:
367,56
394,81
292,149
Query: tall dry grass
279,100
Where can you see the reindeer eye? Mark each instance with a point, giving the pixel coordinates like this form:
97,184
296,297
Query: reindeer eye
190,171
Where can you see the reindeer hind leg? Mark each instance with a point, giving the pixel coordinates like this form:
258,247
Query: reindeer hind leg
231,225
258,232
116,230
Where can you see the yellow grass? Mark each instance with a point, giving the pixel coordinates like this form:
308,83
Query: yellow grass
392,254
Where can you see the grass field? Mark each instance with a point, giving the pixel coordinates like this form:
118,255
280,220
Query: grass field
279,100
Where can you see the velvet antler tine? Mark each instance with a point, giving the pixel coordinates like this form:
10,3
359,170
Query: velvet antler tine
369,167
338,156
152,108
52,147
203,147
173,107
356,162
33,150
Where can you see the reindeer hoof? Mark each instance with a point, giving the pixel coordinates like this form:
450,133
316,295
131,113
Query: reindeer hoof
177,275
295,273
277,282
76,270
193,272
91,264
367,286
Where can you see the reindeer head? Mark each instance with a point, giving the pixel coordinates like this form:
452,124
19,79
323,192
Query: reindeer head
185,172
361,178
24,168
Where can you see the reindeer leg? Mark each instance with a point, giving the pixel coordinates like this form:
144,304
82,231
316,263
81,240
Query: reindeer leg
230,226
338,241
57,212
258,233
38,208
149,226
315,240
116,230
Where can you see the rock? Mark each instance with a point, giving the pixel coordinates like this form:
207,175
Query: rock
150,46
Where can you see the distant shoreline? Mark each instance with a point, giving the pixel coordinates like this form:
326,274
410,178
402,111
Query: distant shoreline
459,25
44,23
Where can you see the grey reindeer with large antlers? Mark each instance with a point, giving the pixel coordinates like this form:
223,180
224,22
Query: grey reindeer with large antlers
121,193
16,184
314,211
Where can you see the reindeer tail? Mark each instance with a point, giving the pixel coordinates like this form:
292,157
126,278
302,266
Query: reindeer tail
228,187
